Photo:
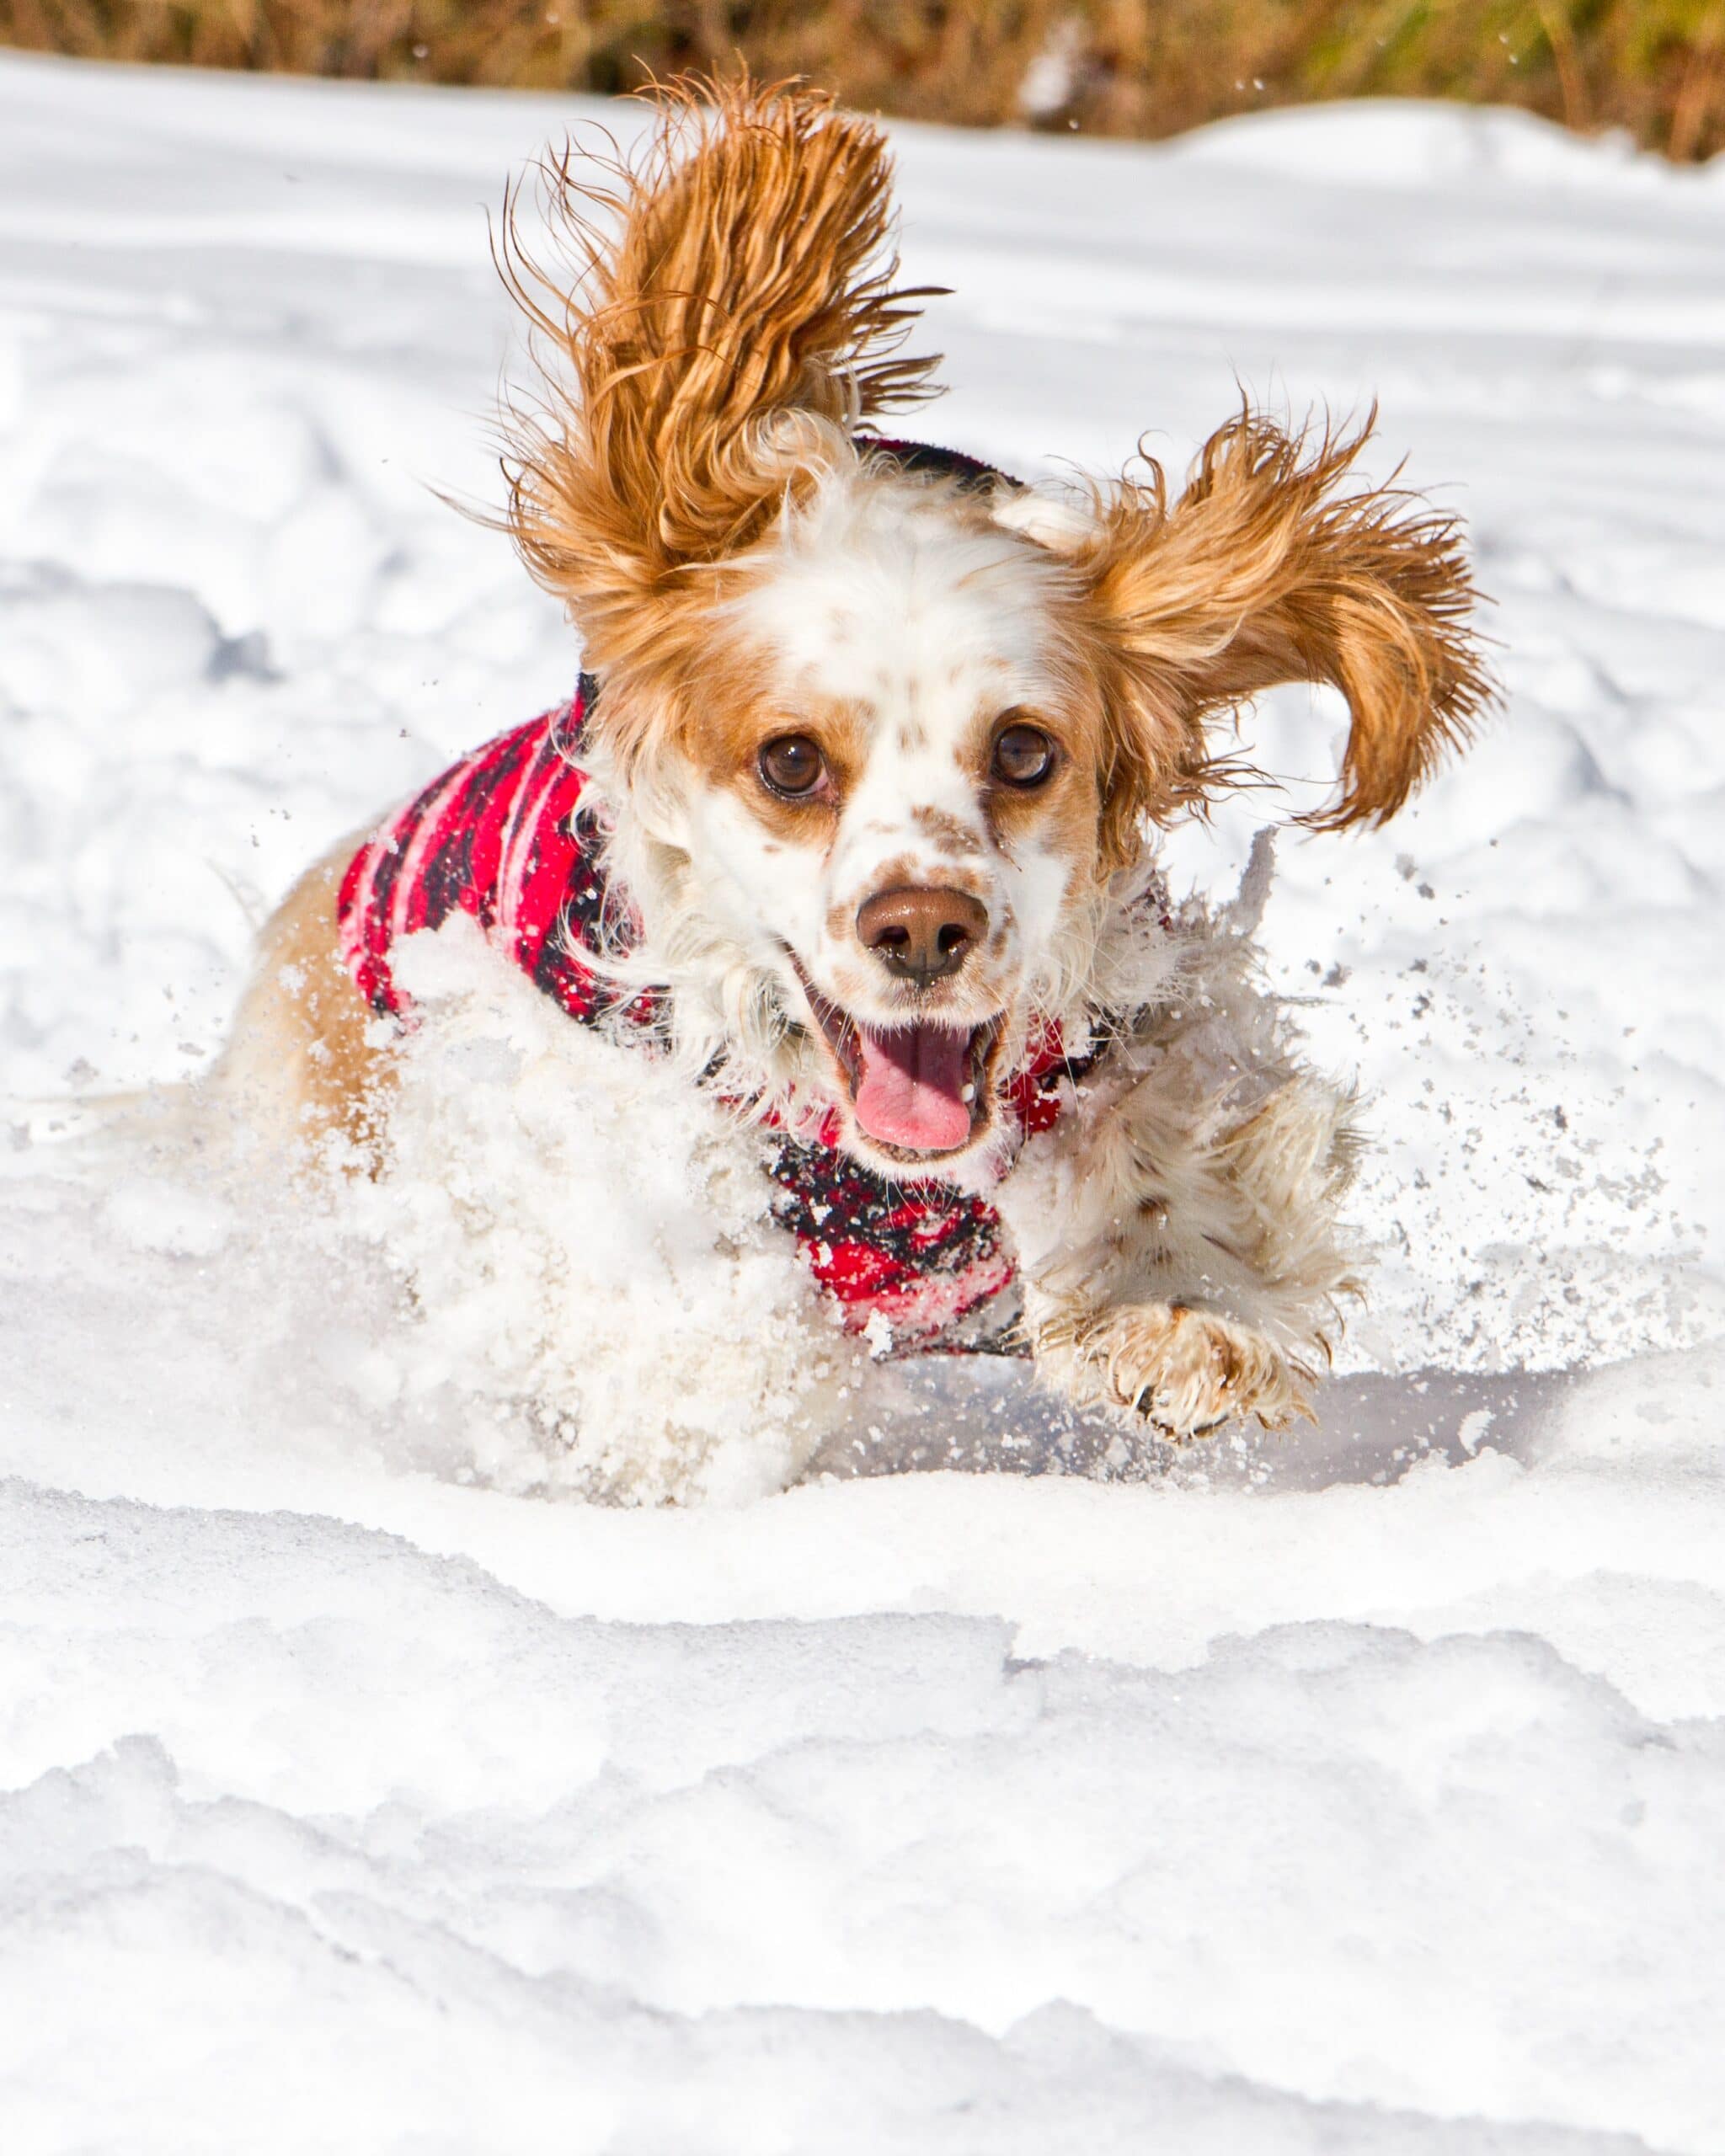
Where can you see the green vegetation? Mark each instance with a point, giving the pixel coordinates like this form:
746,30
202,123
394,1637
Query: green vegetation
1656,67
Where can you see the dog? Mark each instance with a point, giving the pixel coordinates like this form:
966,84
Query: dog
852,824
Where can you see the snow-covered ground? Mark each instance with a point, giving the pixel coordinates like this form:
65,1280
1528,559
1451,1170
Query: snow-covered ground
1357,1791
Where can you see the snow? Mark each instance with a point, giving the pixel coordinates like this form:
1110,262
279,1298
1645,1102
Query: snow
360,1789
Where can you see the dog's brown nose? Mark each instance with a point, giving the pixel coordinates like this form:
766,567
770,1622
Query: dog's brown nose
922,936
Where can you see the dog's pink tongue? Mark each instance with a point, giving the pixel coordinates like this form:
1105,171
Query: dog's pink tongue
908,1093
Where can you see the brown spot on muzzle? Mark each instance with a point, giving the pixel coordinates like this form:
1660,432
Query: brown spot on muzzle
950,832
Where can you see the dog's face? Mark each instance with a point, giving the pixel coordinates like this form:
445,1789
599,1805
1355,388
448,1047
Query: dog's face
893,802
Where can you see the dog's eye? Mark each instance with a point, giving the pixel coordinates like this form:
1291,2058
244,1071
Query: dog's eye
1023,755
792,764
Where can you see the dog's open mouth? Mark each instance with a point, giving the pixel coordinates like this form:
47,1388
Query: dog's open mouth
920,1088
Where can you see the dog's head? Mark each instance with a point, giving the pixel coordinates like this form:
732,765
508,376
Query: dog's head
886,798
885,737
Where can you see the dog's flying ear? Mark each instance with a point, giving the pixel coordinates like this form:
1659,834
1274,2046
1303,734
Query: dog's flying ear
720,312
1269,569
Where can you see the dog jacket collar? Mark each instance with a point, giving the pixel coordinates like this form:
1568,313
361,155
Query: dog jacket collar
502,835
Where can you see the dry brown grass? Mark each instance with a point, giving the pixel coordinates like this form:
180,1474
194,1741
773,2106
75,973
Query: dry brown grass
1106,66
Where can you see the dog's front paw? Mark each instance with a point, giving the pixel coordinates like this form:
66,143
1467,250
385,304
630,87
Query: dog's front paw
1186,1371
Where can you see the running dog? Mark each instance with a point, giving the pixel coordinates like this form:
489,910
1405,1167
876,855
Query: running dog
852,819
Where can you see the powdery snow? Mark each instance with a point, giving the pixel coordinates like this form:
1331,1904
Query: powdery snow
360,1790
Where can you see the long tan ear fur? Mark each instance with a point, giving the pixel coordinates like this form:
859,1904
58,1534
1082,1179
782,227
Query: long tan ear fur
1269,569
720,310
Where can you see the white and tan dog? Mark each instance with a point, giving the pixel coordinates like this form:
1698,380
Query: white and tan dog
877,745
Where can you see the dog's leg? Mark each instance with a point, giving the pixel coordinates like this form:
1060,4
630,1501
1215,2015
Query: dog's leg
1180,1253
298,1064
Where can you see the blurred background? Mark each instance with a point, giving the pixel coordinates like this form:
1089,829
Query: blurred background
1655,68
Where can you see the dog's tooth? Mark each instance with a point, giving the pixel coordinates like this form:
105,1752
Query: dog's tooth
967,1092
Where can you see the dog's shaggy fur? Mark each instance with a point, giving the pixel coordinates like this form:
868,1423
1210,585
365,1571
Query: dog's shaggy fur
995,694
